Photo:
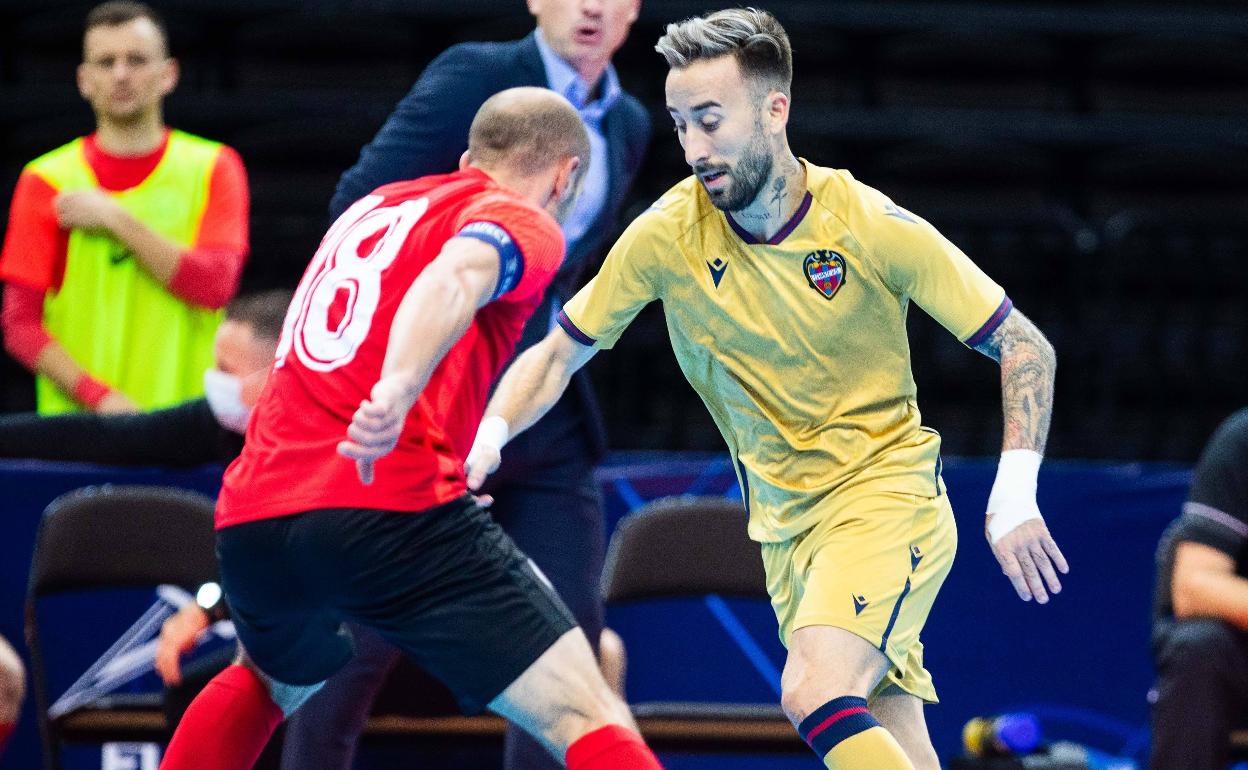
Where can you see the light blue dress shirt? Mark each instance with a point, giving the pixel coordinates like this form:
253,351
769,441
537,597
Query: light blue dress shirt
564,80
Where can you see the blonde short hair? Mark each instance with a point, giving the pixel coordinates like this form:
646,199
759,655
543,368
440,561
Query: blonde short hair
752,36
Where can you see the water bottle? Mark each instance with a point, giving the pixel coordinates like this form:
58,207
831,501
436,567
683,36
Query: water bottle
1008,735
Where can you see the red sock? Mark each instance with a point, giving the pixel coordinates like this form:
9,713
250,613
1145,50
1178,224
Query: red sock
6,729
227,725
611,748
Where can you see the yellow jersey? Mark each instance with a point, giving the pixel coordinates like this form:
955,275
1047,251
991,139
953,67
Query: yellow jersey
798,345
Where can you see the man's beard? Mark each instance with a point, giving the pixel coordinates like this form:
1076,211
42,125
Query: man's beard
128,118
747,177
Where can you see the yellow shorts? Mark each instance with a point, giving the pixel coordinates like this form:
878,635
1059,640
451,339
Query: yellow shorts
872,566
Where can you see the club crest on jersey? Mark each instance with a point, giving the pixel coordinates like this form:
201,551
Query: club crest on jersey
825,272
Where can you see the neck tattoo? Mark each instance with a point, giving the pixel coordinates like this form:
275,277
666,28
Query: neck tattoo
777,196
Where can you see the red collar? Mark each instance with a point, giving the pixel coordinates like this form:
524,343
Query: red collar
121,172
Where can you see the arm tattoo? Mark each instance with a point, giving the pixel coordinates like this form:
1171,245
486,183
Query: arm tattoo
1028,364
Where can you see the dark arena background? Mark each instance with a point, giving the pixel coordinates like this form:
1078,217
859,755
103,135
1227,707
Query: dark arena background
1091,157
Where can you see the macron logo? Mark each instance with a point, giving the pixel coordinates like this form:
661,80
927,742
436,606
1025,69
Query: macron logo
860,604
717,269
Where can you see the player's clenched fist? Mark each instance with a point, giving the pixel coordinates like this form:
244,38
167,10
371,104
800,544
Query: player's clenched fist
376,425
91,209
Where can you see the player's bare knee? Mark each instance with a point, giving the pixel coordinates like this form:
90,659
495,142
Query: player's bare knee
804,688
795,691
799,694
796,703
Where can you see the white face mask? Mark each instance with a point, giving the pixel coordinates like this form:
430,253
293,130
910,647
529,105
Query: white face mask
225,397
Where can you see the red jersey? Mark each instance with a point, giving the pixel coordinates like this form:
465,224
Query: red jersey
334,343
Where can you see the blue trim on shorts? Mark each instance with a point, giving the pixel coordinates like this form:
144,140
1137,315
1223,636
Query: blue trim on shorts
892,620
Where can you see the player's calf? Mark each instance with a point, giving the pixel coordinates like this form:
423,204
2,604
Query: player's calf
901,713
563,701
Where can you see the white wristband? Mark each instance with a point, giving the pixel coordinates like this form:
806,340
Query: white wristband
493,431
1013,497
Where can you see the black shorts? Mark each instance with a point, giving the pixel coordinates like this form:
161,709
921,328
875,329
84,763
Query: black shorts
446,586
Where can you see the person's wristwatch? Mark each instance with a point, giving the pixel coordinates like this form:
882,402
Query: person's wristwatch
211,599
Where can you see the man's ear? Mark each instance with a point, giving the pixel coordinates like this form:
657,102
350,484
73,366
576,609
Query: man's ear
171,76
84,87
776,110
465,160
566,175
564,188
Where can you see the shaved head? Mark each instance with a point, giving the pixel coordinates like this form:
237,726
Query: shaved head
527,130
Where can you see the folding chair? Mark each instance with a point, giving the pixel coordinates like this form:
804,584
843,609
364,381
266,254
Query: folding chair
694,546
104,538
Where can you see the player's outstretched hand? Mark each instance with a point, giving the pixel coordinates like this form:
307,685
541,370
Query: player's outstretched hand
375,427
487,451
481,462
1028,555
1016,530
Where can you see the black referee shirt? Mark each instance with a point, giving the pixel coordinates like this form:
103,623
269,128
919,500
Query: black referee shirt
1216,511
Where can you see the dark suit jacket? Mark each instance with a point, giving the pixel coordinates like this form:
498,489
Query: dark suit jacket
428,131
